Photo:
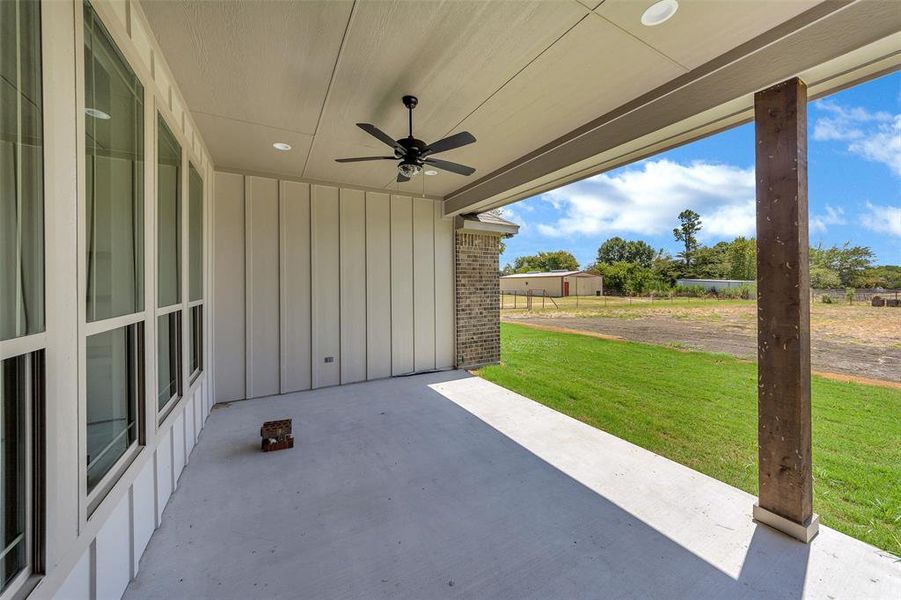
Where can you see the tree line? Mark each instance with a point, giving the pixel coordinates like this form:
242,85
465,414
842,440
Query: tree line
635,267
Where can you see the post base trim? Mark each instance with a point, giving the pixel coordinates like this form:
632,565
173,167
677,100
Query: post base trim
803,532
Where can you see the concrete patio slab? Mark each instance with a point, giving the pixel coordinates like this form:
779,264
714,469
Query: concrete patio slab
448,486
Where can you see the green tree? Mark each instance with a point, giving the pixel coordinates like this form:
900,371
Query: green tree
710,262
546,261
742,258
849,262
689,225
627,278
822,278
666,270
616,249
884,276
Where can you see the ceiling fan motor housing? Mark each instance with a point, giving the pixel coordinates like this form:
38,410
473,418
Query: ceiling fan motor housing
413,150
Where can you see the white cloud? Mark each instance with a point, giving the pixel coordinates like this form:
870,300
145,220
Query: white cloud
647,198
882,219
834,216
875,136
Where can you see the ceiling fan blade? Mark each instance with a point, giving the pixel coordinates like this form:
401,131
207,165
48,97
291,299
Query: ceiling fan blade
449,143
364,158
402,178
379,135
450,166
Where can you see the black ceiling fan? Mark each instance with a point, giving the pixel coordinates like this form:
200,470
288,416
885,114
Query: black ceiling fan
413,153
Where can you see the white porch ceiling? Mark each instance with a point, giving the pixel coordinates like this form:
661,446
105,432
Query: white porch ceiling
518,75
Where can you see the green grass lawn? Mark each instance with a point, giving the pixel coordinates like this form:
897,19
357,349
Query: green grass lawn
700,410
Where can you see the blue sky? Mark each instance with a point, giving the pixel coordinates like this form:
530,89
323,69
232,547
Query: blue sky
854,179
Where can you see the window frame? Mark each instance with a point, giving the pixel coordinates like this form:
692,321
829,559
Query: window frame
90,500
34,481
180,225
176,344
178,306
190,305
194,325
95,496
31,346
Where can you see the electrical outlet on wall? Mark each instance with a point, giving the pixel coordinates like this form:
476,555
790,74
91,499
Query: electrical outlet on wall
329,359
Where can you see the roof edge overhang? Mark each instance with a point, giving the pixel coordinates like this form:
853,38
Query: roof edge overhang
834,45
474,225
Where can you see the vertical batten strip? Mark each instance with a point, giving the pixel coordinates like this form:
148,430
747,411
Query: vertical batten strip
248,289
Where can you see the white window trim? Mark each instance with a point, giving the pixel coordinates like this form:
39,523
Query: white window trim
22,345
93,328
165,310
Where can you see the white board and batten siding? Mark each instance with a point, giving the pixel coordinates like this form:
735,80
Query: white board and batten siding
339,285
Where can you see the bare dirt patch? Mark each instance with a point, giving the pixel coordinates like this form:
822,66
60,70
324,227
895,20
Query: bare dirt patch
856,341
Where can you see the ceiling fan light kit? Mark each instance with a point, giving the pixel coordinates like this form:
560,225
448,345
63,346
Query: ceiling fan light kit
413,154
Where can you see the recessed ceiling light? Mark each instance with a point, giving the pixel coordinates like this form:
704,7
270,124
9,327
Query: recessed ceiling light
431,172
659,12
281,146
97,114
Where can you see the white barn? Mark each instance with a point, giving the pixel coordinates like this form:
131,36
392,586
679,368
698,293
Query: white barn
554,283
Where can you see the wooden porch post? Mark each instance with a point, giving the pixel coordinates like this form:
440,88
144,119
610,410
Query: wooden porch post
783,312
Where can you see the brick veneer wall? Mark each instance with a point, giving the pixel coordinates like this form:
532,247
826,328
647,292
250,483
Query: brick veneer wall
478,301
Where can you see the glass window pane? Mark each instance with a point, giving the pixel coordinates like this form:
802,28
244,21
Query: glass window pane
114,177
21,171
195,235
169,358
195,359
113,389
168,216
13,407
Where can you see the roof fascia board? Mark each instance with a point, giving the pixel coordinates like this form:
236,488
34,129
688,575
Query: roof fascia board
468,226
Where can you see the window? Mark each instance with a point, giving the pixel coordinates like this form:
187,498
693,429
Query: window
21,472
168,216
195,360
114,165
195,271
168,333
169,268
195,235
115,385
13,482
21,171
21,293
114,268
